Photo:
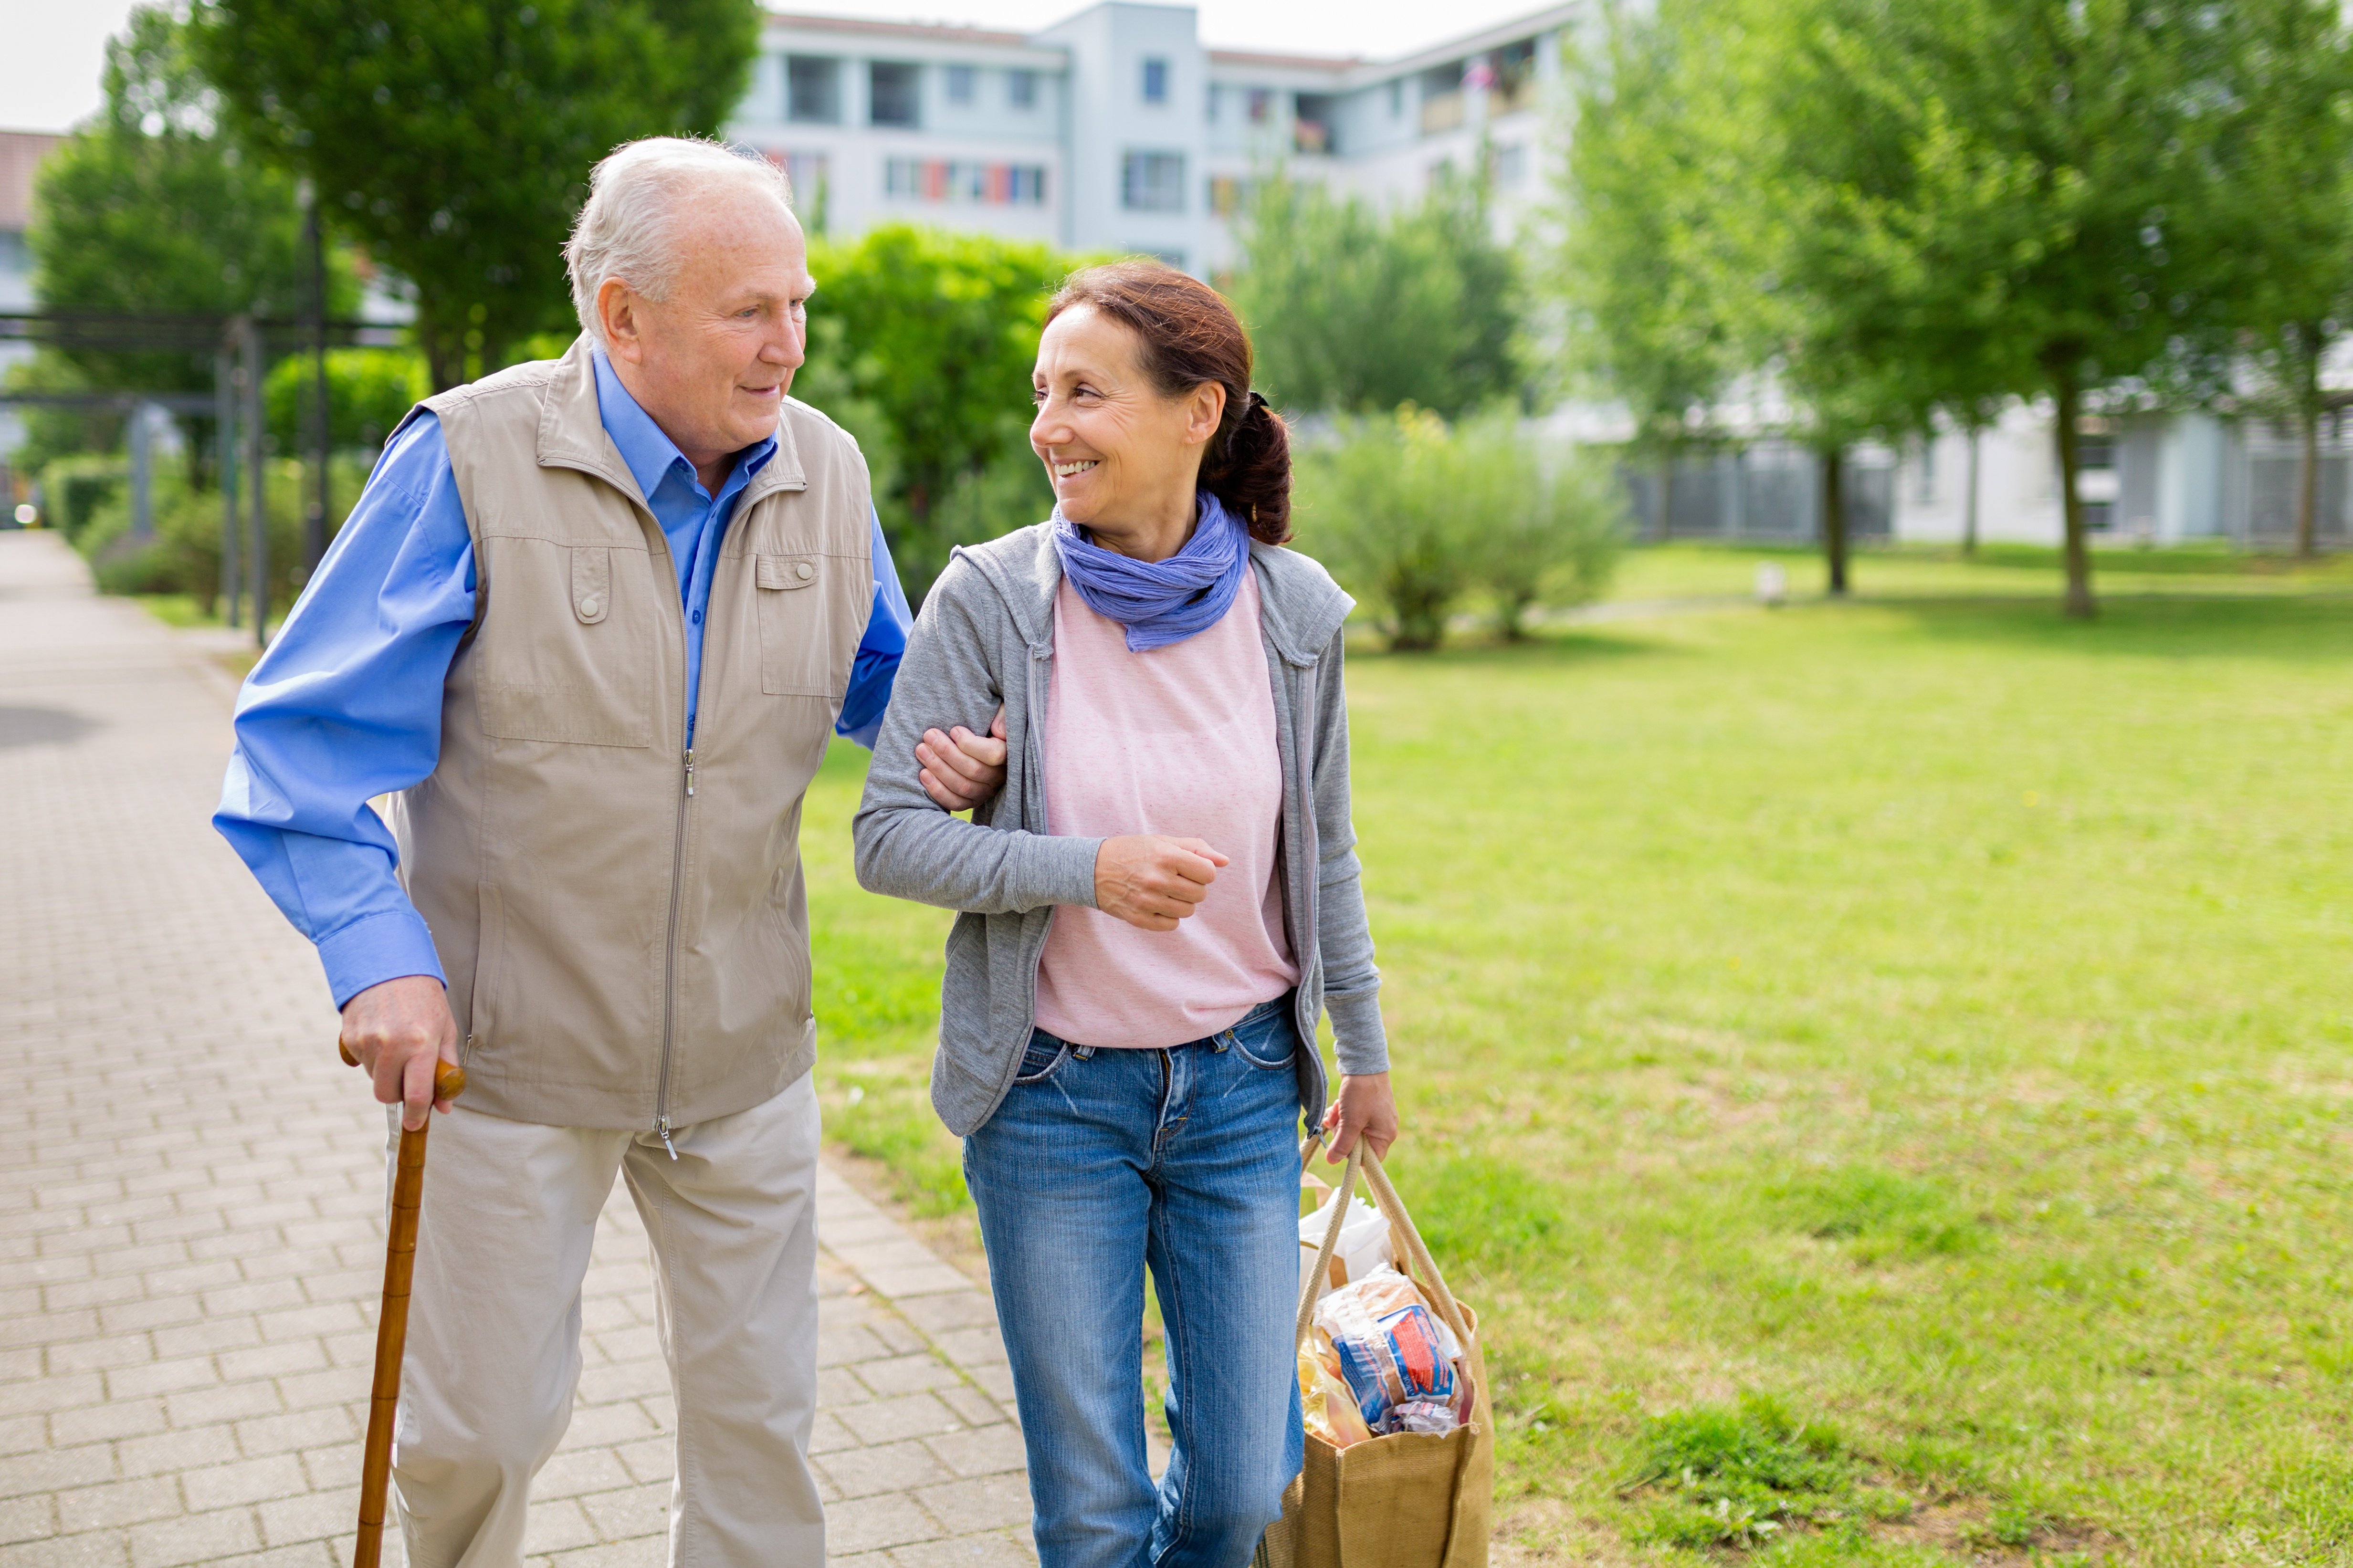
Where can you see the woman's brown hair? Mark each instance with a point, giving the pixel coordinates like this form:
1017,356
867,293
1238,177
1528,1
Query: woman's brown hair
1190,336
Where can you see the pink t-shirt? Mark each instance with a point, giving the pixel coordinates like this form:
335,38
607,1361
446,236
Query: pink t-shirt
1177,740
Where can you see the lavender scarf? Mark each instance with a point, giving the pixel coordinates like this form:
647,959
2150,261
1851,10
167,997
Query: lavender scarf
1160,602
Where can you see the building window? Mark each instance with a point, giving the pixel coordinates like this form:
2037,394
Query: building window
1230,194
1153,183
894,93
813,90
1312,126
2095,468
1510,164
1155,82
1510,79
1262,105
959,84
976,184
1397,97
1216,96
1441,98
1021,88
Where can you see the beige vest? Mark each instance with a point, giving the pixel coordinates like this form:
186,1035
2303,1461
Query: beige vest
622,922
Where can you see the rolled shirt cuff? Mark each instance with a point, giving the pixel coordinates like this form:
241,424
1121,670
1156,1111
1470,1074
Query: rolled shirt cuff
378,948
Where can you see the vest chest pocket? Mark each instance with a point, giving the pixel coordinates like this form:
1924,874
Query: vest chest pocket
806,608
567,644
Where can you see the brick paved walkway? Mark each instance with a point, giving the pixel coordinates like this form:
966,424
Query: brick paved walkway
191,1190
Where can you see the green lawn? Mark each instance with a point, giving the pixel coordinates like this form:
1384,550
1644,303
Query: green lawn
1880,1069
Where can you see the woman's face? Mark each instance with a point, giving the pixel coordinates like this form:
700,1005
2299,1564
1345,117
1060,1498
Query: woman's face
1120,454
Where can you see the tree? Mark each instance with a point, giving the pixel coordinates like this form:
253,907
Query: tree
2290,162
147,210
920,342
2004,197
1351,309
1650,264
454,140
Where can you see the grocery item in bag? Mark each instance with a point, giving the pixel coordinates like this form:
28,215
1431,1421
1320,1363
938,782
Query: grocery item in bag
1394,1354
1364,1244
1329,1404
1402,1360
1357,1306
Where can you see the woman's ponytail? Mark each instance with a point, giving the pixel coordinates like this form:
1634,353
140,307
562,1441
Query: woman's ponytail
1252,476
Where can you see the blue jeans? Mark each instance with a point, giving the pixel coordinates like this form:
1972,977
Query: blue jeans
1099,1165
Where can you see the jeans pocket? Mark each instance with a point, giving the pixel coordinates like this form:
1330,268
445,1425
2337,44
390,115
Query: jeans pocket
1038,1060
1269,1042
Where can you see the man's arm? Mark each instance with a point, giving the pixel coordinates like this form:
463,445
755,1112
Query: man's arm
960,770
346,705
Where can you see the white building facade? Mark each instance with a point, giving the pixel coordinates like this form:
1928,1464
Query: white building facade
1119,130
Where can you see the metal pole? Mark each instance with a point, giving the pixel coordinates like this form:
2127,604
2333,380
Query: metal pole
142,485
228,384
314,523
258,547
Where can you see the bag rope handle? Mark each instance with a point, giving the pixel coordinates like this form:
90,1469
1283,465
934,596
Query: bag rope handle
1364,1163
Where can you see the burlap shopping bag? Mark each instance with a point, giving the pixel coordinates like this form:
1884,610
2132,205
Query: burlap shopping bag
1407,1500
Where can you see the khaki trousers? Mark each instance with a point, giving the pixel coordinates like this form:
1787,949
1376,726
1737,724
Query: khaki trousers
493,1351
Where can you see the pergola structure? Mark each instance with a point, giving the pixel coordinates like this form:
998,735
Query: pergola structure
241,348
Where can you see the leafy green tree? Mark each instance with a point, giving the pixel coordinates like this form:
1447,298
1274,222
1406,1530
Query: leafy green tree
1988,197
149,210
1354,310
454,140
922,342
2290,163
1652,264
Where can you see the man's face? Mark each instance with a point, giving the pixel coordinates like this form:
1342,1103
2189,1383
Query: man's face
710,362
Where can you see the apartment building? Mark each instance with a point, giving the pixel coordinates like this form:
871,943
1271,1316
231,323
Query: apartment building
1118,130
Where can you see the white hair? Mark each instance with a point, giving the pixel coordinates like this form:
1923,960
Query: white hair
636,196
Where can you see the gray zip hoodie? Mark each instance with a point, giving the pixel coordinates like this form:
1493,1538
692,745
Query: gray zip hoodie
985,636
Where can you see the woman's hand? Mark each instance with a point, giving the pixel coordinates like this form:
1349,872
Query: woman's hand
1365,1107
962,769
1154,881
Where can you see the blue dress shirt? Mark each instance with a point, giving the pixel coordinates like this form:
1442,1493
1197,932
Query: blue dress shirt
346,704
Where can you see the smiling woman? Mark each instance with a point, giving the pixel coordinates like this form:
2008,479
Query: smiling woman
1154,917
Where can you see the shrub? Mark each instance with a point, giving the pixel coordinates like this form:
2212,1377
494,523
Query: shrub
369,392
76,489
1544,521
183,557
1379,507
1411,513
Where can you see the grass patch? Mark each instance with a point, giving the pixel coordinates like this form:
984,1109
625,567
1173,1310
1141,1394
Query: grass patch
1925,1008
1878,1214
1736,1475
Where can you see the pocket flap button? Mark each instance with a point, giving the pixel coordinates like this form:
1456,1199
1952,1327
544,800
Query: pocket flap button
803,570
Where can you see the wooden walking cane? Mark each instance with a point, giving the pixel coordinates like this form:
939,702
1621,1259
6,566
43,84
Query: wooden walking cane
392,1324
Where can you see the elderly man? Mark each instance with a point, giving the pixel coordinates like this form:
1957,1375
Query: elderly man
593,621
